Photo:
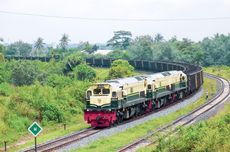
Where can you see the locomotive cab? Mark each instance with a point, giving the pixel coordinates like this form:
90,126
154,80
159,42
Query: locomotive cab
102,96
101,100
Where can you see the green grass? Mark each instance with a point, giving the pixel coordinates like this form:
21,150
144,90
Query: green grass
114,142
223,71
52,132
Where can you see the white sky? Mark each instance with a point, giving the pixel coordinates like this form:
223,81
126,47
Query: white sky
29,28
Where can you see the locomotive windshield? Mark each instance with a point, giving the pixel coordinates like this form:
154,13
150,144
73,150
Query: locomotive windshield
101,91
105,91
97,91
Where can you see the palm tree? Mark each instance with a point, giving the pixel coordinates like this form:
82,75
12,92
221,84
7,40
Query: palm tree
158,38
64,41
39,45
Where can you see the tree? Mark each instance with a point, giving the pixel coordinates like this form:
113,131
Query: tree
24,73
190,52
39,45
118,54
64,41
141,48
84,72
216,49
120,40
166,51
158,38
120,69
94,48
88,47
2,49
19,48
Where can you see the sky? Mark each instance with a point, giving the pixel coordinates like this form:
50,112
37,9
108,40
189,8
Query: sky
180,18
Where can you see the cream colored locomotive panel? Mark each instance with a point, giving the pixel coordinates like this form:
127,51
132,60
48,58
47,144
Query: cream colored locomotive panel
100,100
137,87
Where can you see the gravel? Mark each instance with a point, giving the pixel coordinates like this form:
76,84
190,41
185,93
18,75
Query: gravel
120,128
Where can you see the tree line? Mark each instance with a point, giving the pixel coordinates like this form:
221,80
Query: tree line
210,51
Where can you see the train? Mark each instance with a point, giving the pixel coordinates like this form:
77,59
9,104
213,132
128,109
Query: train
114,101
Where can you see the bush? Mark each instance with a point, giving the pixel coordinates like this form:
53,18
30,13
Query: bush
5,89
72,61
58,81
24,73
84,72
120,69
5,72
51,112
2,59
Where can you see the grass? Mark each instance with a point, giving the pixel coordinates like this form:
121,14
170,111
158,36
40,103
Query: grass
49,133
114,142
223,71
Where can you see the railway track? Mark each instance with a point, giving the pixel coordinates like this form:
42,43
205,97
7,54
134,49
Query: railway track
222,95
68,139
63,141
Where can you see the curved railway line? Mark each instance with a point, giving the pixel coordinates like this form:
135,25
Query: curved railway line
68,139
195,80
222,95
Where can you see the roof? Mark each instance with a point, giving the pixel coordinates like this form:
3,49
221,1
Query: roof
122,81
159,75
103,52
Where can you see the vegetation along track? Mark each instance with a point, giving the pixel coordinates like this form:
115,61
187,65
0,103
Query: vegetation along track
222,95
195,80
67,140
63,141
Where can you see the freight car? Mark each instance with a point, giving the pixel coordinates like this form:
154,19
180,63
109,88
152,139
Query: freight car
115,100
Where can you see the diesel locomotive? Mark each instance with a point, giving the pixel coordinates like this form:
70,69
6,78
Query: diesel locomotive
114,101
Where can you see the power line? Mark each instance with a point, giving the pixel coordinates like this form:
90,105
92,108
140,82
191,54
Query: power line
118,19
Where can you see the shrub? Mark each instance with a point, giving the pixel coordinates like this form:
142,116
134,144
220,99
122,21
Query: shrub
5,89
58,81
2,59
84,72
5,72
120,69
51,112
24,73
